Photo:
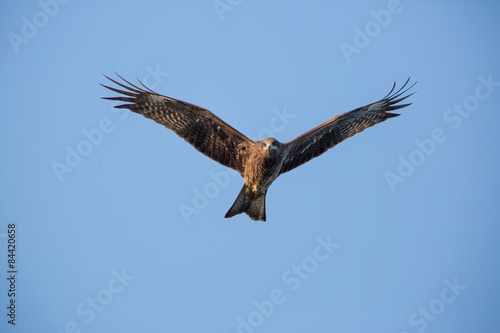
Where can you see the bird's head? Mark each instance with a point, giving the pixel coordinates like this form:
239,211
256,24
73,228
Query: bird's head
271,145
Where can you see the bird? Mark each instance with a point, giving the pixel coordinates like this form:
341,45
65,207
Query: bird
260,163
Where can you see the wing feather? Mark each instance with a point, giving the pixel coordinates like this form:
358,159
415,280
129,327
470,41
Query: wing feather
332,132
201,128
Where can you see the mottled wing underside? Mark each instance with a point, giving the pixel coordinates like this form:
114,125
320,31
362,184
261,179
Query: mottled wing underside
201,128
318,140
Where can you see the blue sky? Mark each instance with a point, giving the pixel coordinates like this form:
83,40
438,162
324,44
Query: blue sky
119,223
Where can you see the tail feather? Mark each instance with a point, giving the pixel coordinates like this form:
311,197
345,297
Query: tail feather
251,203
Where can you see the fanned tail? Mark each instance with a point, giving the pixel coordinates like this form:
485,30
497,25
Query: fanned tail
251,203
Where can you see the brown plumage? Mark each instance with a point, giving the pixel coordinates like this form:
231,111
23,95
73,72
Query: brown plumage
258,162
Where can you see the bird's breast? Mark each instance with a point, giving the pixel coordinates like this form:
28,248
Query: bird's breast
261,171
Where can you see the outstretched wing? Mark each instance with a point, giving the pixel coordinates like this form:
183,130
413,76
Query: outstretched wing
201,128
332,132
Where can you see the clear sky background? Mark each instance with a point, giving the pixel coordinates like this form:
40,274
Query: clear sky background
120,224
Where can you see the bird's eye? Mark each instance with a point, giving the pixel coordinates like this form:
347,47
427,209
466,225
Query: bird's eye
275,143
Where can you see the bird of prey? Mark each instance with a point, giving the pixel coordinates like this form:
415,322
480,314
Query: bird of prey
258,162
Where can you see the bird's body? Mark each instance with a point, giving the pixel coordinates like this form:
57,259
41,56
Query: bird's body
263,164
258,162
